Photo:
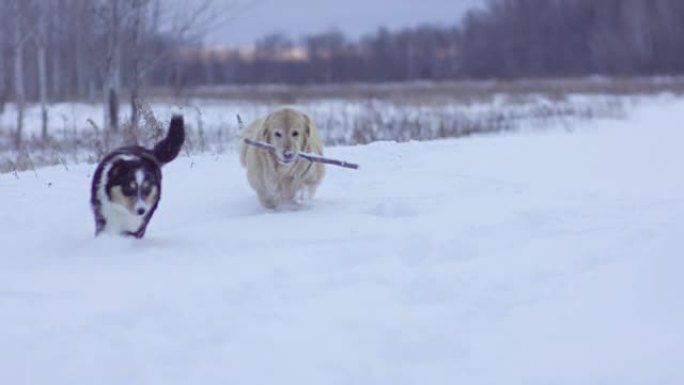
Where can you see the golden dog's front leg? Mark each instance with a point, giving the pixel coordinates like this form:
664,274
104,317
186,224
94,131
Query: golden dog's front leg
269,194
267,200
288,189
303,194
312,180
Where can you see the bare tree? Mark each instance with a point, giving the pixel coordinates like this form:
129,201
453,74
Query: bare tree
3,82
87,35
113,63
139,14
148,21
20,36
56,43
41,40
3,45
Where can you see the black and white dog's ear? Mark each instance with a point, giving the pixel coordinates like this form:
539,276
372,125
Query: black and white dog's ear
114,171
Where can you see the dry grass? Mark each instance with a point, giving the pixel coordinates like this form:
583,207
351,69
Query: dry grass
399,112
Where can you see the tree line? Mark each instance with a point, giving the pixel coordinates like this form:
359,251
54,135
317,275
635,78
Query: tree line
503,39
426,52
534,38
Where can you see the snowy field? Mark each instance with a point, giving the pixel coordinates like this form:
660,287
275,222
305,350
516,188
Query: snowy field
531,258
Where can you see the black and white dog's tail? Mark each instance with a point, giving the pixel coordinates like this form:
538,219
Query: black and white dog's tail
167,150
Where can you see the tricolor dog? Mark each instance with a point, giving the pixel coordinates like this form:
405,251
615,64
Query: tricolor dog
126,186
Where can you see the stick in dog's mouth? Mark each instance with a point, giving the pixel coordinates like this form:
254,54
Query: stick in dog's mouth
305,155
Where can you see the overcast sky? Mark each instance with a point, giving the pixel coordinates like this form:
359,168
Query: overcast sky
353,17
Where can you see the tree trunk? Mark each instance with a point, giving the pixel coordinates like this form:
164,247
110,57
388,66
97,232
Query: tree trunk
19,91
112,107
410,61
136,70
55,53
81,88
42,72
135,108
3,83
42,90
113,81
57,74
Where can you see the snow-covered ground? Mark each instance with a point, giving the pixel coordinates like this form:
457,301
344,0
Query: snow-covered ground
535,258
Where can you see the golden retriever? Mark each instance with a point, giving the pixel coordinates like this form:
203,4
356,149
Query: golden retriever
281,177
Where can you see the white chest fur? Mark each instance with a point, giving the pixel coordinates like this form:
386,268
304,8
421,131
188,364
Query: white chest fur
119,219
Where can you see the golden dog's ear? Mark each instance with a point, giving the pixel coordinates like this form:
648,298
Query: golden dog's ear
307,125
264,134
312,142
305,135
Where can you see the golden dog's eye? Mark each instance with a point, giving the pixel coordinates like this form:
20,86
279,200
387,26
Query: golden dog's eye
278,134
295,133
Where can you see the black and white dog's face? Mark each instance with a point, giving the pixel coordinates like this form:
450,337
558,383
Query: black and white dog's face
133,185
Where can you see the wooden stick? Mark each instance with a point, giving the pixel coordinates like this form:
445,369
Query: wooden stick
305,155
